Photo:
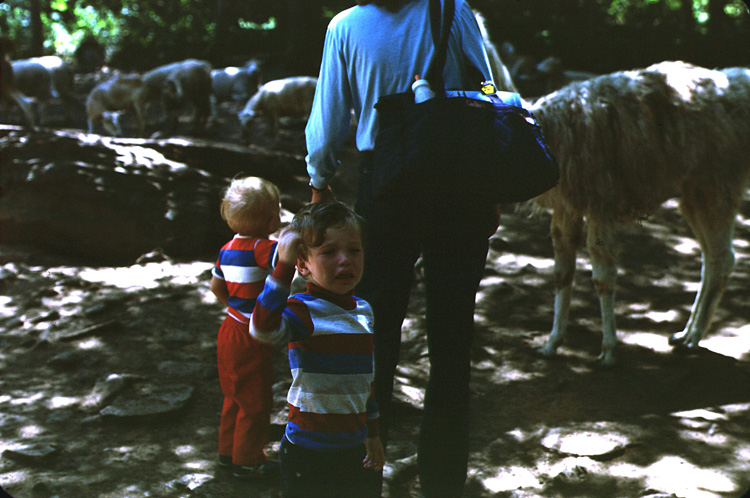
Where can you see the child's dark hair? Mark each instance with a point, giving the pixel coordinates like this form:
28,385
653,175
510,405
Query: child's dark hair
312,221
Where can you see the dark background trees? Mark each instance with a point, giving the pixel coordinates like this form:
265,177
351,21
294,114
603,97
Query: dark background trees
592,35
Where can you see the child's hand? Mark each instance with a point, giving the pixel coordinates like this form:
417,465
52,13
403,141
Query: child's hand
375,458
289,242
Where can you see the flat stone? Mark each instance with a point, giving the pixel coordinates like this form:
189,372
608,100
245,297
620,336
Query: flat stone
106,389
67,360
510,479
99,328
190,481
150,403
187,370
575,469
13,323
179,338
10,423
32,454
586,443
47,316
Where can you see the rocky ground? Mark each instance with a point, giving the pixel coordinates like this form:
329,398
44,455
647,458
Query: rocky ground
109,389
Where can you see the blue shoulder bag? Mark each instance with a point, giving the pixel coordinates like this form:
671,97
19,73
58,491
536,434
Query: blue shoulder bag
457,146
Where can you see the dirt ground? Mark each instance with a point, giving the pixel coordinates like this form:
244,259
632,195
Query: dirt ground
659,424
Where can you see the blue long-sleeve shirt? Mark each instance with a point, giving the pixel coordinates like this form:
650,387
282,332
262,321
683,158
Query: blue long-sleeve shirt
368,52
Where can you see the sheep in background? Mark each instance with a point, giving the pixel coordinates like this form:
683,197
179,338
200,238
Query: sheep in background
9,93
285,97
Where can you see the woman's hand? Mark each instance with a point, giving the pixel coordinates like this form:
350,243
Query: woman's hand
322,195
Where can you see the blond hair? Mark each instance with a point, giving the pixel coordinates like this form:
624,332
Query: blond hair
249,204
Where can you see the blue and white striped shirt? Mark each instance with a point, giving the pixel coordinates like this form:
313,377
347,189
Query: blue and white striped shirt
331,402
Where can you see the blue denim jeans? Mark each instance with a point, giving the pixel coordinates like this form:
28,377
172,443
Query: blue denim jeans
450,232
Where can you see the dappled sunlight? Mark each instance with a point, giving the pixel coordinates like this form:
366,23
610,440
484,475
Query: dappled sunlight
30,431
491,280
15,477
664,410
191,454
208,297
89,344
676,475
66,299
718,440
148,276
516,261
62,402
143,452
585,443
414,394
506,373
656,342
662,316
732,342
701,413
27,400
688,85
687,246
410,329
199,465
184,450
5,309
508,479
130,154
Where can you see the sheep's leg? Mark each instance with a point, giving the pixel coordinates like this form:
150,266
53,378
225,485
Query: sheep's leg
602,246
567,238
25,107
713,225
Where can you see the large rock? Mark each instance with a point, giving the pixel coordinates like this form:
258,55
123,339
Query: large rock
149,404
111,200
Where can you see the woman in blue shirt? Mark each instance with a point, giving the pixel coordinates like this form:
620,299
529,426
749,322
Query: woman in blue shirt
374,49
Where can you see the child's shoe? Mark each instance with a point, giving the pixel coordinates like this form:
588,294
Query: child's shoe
225,461
262,471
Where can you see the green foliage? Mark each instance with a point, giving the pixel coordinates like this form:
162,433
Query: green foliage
266,26
597,35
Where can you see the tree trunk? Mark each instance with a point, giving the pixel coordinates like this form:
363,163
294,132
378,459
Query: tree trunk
37,35
219,34
716,17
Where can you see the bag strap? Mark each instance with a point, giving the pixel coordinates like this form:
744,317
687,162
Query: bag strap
440,26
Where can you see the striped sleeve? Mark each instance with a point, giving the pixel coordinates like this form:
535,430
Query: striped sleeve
266,253
275,317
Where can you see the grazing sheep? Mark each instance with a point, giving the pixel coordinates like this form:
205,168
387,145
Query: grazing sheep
285,97
9,92
43,79
178,84
108,98
628,141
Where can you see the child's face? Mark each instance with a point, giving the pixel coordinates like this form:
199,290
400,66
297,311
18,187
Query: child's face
336,264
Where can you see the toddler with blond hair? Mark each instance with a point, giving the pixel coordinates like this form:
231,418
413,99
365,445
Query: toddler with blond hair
251,208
